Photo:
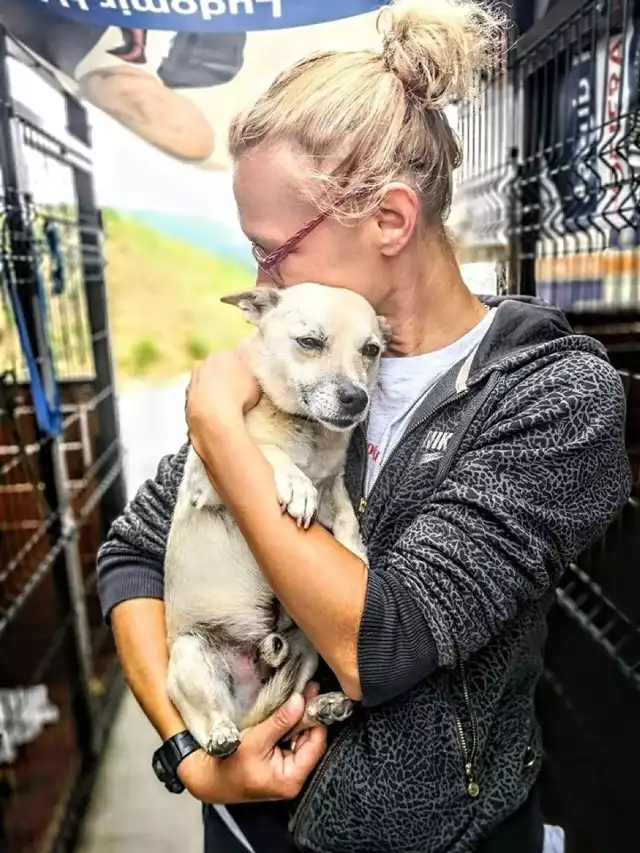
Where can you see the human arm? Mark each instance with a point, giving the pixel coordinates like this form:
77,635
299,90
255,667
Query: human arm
131,591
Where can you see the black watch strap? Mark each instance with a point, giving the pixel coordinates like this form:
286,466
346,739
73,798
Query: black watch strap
167,758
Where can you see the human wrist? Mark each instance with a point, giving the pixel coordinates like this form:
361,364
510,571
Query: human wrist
218,422
170,725
211,440
199,775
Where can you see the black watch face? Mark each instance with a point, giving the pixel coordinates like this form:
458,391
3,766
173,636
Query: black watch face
175,786
168,779
159,769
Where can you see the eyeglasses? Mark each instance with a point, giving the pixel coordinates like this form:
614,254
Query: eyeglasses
269,262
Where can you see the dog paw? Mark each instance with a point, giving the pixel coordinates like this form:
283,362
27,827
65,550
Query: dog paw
328,708
274,650
223,740
297,495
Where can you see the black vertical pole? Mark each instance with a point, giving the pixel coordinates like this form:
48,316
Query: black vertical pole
18,239
95,291
515,223
529,178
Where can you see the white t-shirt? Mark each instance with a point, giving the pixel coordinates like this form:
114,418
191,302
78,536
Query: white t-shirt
402,383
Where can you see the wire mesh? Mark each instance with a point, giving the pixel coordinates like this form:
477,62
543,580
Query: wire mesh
562,133
51,208
488,131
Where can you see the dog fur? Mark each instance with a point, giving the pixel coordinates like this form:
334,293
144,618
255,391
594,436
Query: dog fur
235,655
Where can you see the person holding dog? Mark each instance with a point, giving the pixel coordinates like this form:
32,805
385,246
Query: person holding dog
492,455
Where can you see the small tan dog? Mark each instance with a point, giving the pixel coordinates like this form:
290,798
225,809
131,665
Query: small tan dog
235,655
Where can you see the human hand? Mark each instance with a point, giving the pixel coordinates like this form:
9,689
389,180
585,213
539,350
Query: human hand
221,387
260,769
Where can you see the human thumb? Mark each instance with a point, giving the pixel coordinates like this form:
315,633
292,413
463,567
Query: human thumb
275,727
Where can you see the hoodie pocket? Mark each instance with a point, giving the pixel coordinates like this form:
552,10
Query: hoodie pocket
392,782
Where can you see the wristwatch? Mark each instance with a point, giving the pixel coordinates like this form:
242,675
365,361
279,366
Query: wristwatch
167,758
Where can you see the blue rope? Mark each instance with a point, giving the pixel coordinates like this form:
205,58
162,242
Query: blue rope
47,408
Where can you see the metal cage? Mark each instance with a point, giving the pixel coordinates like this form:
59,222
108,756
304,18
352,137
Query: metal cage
60,488
552,175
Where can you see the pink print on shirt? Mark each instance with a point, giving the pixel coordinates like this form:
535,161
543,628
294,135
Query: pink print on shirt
373,451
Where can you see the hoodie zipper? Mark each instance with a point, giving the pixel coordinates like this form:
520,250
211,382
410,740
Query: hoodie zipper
468,745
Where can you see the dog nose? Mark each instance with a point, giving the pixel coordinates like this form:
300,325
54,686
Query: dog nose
353,398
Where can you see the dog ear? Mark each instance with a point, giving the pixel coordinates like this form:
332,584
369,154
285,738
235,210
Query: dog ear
385,329
255,303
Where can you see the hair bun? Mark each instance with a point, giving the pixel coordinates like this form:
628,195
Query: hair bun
438,48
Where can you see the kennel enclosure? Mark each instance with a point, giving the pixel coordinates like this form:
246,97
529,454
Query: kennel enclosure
61,481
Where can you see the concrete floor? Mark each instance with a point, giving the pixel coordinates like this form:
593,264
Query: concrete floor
130,811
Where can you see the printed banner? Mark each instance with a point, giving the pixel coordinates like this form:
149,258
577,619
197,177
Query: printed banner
176,71
201,15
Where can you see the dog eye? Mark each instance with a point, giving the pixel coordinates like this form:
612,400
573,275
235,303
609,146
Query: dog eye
310,343
370,350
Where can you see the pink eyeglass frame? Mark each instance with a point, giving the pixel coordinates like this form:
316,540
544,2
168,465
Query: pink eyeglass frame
269,263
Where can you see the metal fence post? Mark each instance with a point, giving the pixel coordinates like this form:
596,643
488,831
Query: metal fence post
528,180
95,288
514,224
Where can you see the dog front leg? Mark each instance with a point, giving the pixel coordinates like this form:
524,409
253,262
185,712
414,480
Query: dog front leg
296,493
337,514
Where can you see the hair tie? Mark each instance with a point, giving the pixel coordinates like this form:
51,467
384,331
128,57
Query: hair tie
389,42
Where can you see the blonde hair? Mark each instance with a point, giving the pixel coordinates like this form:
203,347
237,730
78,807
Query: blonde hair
362,119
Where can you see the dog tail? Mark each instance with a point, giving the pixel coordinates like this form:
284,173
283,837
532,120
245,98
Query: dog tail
274,693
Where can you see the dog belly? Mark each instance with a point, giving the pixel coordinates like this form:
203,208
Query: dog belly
247,681
212,579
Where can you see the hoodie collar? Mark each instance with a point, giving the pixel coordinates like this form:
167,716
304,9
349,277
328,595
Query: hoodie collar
523,330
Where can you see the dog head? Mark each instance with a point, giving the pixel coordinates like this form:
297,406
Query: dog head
316,351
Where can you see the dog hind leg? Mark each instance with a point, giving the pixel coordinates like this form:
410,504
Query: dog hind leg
293,677
199,684
328,708
274,650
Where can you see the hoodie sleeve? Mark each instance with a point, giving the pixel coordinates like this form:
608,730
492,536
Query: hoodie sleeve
131,560
545,476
